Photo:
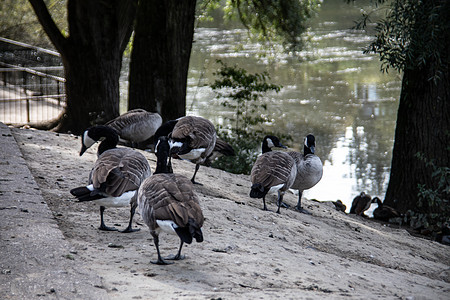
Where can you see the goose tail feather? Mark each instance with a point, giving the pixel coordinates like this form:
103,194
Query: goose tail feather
82,193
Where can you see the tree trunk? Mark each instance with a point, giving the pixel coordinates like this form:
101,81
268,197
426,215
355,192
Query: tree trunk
160,57
92,57
423,125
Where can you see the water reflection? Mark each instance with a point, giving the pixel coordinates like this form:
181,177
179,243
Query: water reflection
333,91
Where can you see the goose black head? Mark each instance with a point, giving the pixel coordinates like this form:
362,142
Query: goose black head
271,141
377,201
107,135
310,144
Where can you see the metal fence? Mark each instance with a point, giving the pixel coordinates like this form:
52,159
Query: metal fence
31,83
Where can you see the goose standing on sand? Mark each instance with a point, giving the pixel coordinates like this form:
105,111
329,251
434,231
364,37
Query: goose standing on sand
221,148
384,212
273,171
136,126
309,169
361,203
193,139
116,175
167,203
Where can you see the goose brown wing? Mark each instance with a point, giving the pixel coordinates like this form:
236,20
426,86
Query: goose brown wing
272,168
200,131
169,197
119,170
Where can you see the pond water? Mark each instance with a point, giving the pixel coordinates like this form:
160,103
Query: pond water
332,90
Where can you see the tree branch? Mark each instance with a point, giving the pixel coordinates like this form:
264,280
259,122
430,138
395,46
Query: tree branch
44,17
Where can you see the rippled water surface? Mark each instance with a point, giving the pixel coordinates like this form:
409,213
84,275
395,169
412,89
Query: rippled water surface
333,91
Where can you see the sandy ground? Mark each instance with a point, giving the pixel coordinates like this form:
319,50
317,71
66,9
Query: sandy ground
247,253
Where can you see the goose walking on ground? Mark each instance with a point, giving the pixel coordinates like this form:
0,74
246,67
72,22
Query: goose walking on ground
361,203
272,172
167,203
116,175
384,212
309,169
193,139
136,126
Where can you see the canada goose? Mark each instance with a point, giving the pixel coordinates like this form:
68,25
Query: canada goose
193,139
136,126
384,212
116,175
220,148
360,204
339,205
272,171
309,169
167,203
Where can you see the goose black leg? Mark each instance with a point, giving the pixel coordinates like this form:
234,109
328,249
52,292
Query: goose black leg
299,207
178,256
130,228
280,200
264,202
102,224
160,261
197,166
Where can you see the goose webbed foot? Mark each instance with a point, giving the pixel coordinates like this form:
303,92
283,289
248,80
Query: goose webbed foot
302,210
195,182
160,262
284,205
175,257
130,229
103,227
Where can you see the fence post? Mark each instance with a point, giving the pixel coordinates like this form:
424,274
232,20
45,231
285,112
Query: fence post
24,75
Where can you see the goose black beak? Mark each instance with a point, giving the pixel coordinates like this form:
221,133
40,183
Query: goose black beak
313,149
83,149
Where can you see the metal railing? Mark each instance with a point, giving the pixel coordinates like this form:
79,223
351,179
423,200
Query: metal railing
31,84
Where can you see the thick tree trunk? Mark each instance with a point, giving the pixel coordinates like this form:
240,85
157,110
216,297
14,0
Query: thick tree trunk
423,125
160,58
92,57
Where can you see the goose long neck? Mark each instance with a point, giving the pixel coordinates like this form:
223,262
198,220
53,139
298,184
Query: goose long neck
265,147
306,151
110,142
162,166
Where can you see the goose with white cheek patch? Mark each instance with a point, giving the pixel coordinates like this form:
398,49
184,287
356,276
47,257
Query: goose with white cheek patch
193,139
221,148
116,175
309,169
136,126
167,203
273,171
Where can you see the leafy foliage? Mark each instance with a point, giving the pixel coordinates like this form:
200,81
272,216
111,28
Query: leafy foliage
242,93
18,21
411,35
433,209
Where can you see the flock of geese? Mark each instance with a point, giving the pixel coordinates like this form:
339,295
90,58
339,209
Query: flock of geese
166,201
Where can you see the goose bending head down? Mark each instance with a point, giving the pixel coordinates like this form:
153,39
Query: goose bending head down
168,203
361,203
116,175
272,172
193,139
384,212
309,169
136,126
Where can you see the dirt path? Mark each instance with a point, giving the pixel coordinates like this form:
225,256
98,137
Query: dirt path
247,253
